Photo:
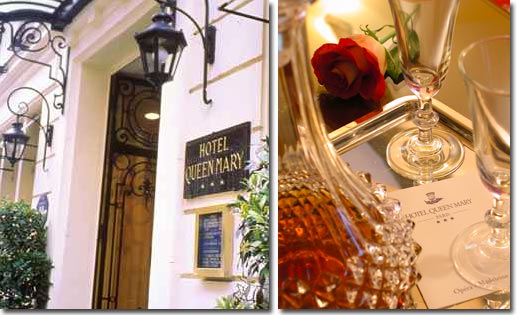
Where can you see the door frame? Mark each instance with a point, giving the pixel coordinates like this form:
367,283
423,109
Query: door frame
101,41
105,206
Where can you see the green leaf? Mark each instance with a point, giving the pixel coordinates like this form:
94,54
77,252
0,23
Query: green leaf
393,66
253,209
24,264
369,32
414,46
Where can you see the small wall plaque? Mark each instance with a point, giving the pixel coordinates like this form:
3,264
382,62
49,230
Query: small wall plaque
42,205
213,246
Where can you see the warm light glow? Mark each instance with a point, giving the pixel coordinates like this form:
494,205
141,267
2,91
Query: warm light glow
325,30
337,7
152,116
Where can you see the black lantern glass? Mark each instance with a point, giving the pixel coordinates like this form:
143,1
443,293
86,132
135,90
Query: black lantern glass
15,141
160,48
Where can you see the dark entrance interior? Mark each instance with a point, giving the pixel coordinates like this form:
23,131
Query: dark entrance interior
126,214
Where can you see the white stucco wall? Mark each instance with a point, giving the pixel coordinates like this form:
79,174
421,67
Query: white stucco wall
239,94
101,43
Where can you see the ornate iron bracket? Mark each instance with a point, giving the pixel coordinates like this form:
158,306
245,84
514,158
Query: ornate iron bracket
29,41
21,108
234,12
208,39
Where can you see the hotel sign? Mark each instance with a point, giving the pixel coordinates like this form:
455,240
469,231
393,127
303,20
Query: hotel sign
217,162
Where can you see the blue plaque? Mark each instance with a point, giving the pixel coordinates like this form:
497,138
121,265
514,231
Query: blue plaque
42,205
210,238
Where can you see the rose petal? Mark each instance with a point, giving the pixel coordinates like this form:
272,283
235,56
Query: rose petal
347,69
374,47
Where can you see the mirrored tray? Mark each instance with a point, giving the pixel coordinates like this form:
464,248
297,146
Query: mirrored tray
363,146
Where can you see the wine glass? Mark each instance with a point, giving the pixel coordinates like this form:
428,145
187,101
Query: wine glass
424,34
481,253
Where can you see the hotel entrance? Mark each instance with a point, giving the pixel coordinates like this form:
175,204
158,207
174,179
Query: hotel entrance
126,214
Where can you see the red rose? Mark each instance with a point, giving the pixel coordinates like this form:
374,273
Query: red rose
353,66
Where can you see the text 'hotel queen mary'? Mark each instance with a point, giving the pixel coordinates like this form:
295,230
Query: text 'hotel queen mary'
217,162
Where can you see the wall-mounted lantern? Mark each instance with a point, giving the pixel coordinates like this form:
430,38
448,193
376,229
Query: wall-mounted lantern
14,139
161,45
29,33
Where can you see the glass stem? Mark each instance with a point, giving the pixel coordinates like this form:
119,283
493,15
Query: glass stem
425,147
498,219
425,119
425,177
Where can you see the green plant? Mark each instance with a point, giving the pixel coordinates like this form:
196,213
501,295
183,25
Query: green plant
394,67
24,264
231,302
253,208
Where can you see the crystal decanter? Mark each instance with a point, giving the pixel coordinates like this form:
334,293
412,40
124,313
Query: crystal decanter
341,241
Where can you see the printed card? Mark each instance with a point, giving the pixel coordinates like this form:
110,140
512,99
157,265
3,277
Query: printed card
441,210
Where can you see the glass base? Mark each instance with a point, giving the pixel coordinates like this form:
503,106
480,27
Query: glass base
440,159
478,262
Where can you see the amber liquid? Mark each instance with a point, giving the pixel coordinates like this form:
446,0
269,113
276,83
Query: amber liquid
330,254
320,263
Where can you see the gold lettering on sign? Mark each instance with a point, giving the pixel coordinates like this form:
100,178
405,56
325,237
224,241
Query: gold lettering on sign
215,146
226,166
219,165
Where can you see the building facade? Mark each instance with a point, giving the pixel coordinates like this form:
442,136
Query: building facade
122,233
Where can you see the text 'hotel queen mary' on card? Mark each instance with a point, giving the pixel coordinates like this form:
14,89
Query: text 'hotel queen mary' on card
441,211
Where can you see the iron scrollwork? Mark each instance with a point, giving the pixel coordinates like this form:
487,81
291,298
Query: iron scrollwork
30,41
131,128
20,108
138,177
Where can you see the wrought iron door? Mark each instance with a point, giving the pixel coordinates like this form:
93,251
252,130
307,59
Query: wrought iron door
126,216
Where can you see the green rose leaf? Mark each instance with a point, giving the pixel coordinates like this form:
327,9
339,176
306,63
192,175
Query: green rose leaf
393,67
367,31
414,45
